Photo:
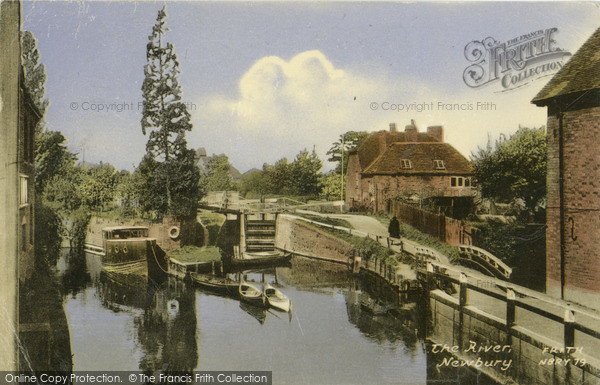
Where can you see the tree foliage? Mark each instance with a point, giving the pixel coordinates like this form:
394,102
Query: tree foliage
298,178
169,167
514,169
218,175
339,149
35,74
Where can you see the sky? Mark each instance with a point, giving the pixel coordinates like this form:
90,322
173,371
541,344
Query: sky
266,80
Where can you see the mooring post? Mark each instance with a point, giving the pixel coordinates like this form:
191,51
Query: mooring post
569,326
462,302
510,310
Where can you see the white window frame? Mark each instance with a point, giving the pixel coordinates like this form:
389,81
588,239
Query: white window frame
23,190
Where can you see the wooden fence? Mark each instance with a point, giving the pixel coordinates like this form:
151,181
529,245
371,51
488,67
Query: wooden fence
449,230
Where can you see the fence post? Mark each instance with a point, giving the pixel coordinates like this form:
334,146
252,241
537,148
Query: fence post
569,326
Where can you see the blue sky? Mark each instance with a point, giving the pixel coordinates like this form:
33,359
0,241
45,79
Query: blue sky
265,80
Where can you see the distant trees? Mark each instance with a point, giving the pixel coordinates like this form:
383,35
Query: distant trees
514,169
298,178
169,172
218,175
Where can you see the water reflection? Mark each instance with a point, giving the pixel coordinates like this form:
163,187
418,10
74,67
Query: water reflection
167,330
344,330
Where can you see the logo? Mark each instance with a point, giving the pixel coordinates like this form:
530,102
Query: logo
515,62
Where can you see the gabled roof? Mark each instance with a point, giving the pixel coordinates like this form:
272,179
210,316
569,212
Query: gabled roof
422,157
581,73
374,145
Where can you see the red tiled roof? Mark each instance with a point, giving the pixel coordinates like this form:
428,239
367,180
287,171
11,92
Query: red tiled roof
374,145
422,157
581,73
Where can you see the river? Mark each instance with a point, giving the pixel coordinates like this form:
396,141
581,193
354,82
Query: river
342,329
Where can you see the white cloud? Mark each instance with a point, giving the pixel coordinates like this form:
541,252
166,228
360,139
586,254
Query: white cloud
283,107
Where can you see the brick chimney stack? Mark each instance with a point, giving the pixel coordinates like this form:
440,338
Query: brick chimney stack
411,131
393,127
437,132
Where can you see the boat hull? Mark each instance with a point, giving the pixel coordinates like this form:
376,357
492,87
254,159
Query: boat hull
273,259
251,294
128,256
215,284
276,299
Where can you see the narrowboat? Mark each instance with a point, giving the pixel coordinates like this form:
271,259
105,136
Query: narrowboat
127,249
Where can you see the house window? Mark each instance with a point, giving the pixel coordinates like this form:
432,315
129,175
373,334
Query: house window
459,181
23,194
357,181
439,164
406,163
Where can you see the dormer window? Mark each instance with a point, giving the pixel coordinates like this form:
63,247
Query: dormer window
406,164
439,164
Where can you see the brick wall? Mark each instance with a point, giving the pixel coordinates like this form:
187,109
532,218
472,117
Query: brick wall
306,239
373,192
581,149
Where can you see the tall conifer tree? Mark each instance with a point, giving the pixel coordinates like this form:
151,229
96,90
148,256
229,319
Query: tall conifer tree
165,119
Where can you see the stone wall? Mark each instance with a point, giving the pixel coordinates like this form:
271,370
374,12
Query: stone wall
509,359
308,240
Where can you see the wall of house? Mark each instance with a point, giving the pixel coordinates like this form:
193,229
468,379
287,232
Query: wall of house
374,192
582,198
10,62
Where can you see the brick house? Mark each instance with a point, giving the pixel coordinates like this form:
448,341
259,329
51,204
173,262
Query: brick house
573,213
411,164
18,118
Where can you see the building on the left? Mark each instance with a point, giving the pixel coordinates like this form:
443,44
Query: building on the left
18,119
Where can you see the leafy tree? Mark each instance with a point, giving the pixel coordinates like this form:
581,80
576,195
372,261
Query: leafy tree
51,157
165,119
35,74
339,149
98,185
253,183
218,175
305,169
515,168
331,186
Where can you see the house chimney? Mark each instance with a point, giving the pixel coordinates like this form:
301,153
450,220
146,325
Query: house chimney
393,127
411,131
437,132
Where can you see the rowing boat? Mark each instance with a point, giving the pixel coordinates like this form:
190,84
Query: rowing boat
276,299
216,284
251,294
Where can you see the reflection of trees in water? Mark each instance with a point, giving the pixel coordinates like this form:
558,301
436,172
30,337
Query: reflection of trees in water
382,319
76,277
167,330
45,341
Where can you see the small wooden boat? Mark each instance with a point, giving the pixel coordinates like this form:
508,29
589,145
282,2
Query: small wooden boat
250,260
276,299
216,284
251,294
